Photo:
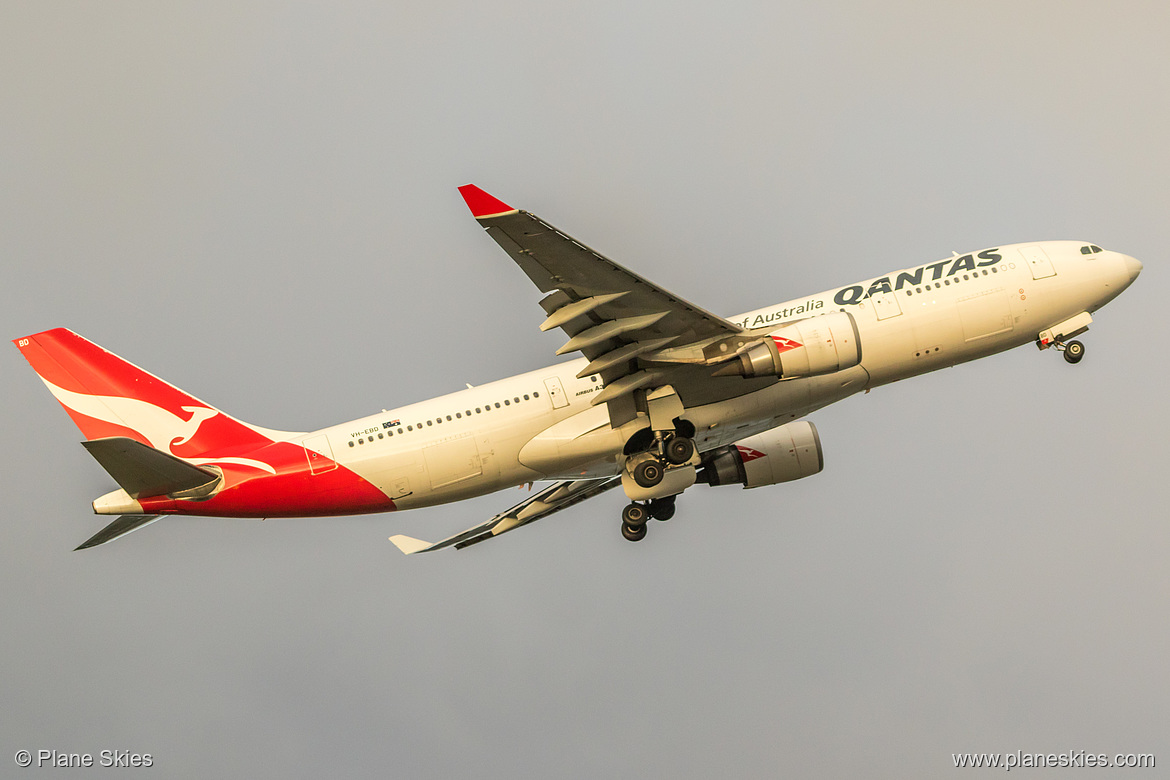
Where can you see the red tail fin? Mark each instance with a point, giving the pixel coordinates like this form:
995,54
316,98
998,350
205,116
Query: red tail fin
107,396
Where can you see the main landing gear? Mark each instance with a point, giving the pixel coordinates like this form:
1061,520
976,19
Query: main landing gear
671,450
661,461
654,478
635,515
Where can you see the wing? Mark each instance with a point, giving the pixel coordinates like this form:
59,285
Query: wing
554,498
635,334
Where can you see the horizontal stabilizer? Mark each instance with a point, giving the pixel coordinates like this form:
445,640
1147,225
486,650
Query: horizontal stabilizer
144,471
409,544
120,527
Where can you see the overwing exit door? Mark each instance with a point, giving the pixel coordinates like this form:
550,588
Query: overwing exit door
556,393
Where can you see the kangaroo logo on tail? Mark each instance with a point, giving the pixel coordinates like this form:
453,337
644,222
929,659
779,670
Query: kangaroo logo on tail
108,396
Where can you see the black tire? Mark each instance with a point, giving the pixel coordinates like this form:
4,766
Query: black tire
1074,351
648,473
662,509
679,450
634,515
634,533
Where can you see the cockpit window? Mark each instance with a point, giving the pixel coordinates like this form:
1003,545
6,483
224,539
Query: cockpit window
1095,249
1086,250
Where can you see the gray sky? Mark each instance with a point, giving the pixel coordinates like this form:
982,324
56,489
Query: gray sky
257,202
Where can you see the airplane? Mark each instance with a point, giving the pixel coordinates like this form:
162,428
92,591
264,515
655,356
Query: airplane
665,395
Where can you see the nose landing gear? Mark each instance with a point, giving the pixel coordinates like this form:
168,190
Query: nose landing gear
1074,351
1056,337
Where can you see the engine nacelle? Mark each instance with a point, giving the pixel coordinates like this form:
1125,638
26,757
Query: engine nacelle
792,451
809,347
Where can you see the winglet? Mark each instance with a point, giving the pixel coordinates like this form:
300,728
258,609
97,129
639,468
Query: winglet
483,205
408,544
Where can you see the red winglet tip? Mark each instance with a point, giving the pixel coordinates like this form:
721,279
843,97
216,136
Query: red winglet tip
482,204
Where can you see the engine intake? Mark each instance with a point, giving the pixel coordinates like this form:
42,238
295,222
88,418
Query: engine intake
809,347
792,451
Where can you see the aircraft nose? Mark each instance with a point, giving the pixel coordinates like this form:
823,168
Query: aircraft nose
1133,267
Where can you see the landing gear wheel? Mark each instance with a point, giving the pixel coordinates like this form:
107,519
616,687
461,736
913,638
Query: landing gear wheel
634,515
634,533
679,450
1074,351
648,473
662,508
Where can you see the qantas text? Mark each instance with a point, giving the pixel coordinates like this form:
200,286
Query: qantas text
850,295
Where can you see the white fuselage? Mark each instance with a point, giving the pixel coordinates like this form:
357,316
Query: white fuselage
541,425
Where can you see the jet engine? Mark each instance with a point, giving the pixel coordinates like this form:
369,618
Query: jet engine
809,347
792,451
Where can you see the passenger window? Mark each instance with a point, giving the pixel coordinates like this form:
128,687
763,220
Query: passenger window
506,403
351,442
525,396
536,395
380,436
497,404
477,410
458,415
448,418
428,423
